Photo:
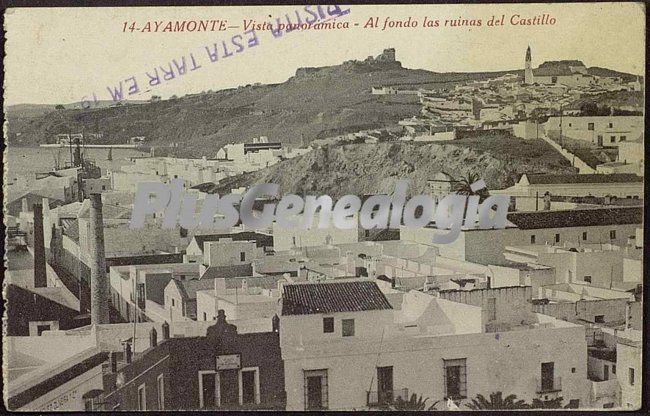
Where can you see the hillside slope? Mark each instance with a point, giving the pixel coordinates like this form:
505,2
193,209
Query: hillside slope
315,103
374,168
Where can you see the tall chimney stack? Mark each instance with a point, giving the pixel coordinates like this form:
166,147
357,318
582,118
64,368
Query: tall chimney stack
98,281
40,274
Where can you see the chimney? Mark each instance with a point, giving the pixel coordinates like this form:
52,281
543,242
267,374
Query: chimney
275,323
165,330
25,205
127,352
99,294
153,337
40,274
113,361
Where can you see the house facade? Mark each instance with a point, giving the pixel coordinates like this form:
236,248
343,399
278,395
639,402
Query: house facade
358,354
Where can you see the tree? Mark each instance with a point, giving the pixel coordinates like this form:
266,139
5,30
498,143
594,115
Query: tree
497,401
414,403
549,404
59,107
463,186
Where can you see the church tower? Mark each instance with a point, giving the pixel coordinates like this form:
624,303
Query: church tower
528,72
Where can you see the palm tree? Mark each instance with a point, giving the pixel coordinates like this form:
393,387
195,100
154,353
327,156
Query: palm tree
549,404
497,401
414,403
463,186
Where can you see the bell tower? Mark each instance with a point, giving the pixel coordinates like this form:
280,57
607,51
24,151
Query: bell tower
528,71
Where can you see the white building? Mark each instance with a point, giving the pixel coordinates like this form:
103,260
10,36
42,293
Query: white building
598,130
345,348
629,368
528,193
612,225
298,237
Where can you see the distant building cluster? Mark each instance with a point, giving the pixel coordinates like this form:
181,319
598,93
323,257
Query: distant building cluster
549,308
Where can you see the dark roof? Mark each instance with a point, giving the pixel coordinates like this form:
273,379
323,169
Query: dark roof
584,178
261,240
71,228
224,272
311,298
188,288
267,145
577,218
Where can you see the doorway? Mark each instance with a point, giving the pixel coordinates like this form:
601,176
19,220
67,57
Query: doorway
385,384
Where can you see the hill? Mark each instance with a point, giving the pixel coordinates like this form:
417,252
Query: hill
315,103
337,170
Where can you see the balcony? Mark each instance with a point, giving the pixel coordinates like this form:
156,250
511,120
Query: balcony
549,385
381,398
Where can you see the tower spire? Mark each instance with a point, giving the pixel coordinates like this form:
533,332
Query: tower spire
528,68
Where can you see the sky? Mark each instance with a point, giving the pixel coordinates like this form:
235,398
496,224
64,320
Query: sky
64,55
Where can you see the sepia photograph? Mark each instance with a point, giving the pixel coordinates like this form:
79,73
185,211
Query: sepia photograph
395,207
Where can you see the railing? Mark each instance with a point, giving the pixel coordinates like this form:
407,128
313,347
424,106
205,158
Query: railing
549,386
378,398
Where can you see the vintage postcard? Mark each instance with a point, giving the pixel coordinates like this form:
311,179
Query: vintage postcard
324,207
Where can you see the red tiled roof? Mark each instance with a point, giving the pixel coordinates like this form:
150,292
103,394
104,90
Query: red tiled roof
313,298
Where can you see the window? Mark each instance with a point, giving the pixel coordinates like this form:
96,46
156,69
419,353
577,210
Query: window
631,376
347,326
612,139
599,319
547,377
573,370
315,389
328,325
532,239
569,124
293,240
456,378
613,368
622,139
584,235
587,279
242,256
173,303
611,125
142,397
612,235
41,328
205,317
161,392
557,238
